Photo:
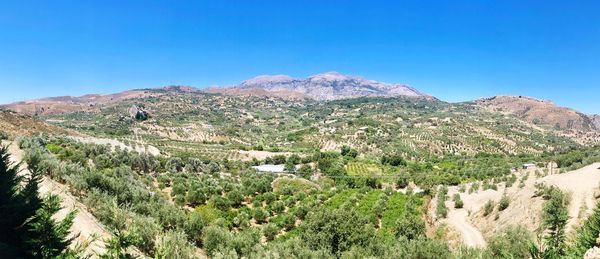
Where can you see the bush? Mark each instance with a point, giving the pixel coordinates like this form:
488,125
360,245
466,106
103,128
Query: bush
194,225
513,242
235,197
3,135
410,226
504,202
336,231
270,231
441,210
488,208
288,222
301,211
174,244
260,215
278,207
458,203
215,238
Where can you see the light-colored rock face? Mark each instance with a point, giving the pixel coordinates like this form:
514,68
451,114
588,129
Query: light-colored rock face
596,121
330,86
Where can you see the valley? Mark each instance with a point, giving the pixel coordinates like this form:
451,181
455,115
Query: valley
286,166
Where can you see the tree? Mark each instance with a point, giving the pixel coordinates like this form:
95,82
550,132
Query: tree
410,226
294,159
220,202
235,197
46,237
554,219
270,230
513,242
393,160
215,238
116,246
288,222
305,171
27,223
349,152
259,215
174,244
336,231
402,181
586,235
194,225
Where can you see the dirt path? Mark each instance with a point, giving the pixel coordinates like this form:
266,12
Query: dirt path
459,220
116,143
84,223
470,235
525,208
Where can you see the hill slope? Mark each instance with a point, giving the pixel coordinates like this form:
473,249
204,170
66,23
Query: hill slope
225,126
24,125
539,112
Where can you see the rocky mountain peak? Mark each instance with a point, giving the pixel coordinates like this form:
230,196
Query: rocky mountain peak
329,86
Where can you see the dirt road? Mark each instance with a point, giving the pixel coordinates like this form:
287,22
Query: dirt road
524,209
470,235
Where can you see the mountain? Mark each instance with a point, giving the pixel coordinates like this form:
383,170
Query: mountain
540,112
321,87
85,103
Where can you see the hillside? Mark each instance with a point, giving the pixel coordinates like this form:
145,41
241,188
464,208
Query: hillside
326,86
539,112
222,124
23,125
69,104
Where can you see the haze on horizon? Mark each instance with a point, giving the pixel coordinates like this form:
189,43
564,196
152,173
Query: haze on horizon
455,51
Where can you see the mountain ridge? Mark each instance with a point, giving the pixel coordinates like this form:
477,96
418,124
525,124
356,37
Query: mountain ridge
324,87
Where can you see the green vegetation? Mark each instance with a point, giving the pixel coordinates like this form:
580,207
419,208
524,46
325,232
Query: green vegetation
28,227
488,208
345,163
3,135
441,210
554,220
458,203
503,203
146,197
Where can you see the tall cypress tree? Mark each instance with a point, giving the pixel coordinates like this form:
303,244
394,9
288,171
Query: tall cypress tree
10,203
26,224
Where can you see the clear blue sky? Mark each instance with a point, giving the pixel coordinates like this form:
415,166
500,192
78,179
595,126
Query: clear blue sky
455,50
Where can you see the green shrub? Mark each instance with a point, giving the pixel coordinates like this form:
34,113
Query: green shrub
504,202
488,208
270,231
458,203
174,244
513,242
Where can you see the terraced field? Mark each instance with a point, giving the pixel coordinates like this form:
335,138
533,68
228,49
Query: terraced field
363,169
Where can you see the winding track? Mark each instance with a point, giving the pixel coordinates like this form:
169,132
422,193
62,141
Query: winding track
470,235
